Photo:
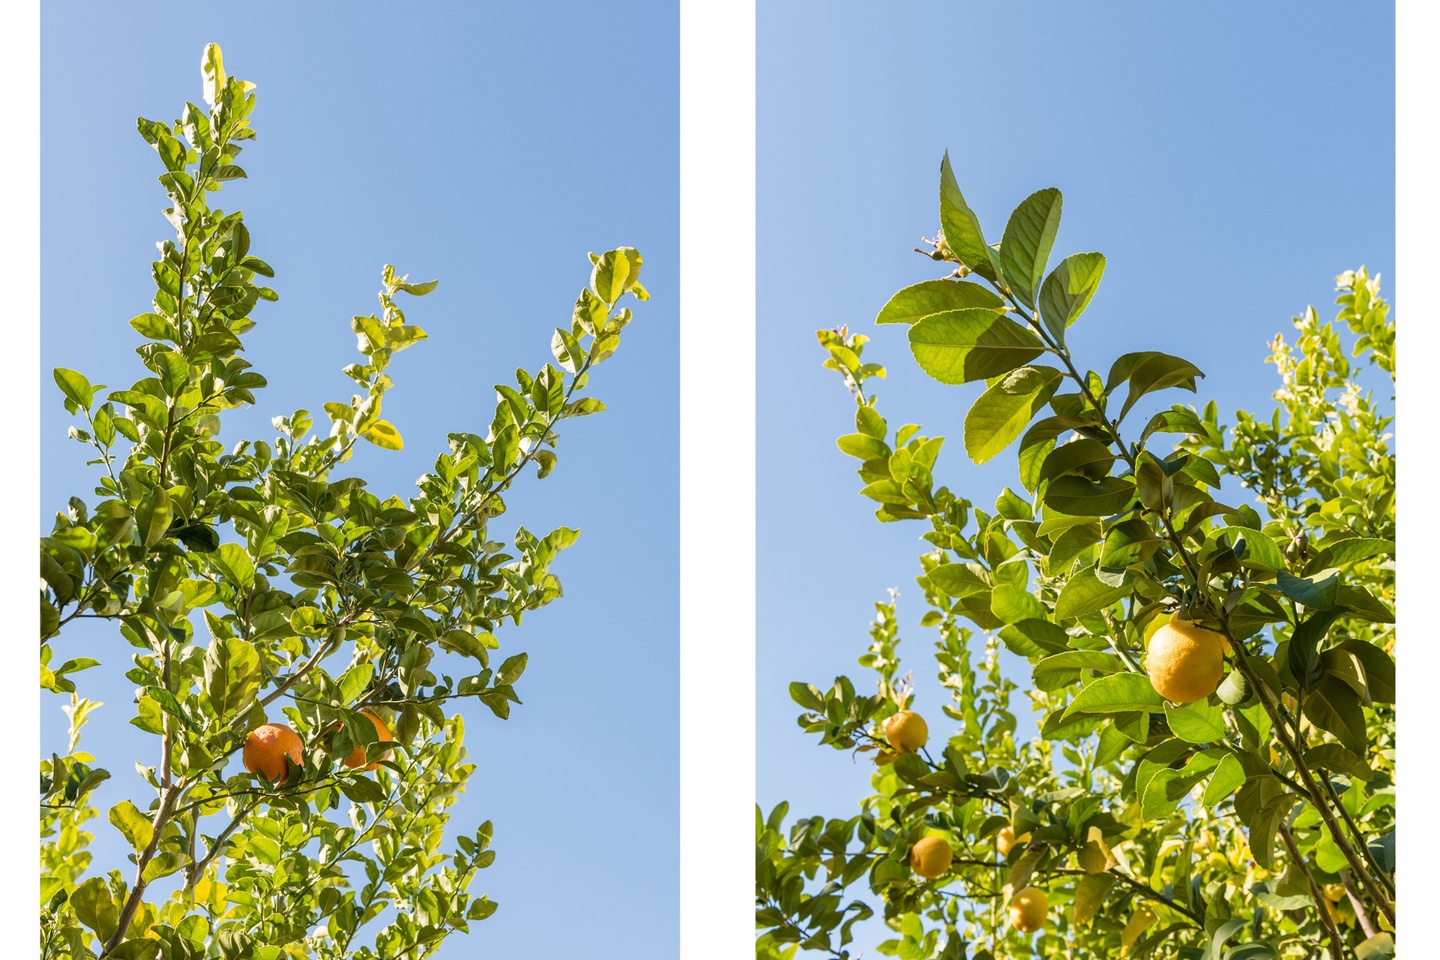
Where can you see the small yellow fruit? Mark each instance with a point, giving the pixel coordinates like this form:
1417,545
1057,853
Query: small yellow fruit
1185,661
357,756
906,731
930,857
266,748
1006,839
1028,909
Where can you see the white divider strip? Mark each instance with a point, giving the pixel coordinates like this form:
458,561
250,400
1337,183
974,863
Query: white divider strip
717,478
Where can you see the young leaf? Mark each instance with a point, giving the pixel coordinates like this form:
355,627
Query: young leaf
920,300
959,346
1003,412
1068,290
1028,240
962,227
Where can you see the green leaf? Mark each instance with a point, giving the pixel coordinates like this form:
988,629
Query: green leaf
1067,291
962,227
1259,548
920,300
511,669
1082,456
76,388
1317,592
960,346
1013,604
1003,412
232,674
212,72
1062,669
1334,707
235,564
1130,542
132,824
1031,637
615,272
959,579
1378,947
1086,593
863,447
1029,237
1228,777
1197,722
465,643
1148,372
1334,757
383,434
1077,497
152,517
94,908
419,289
1117,693
1379,668
173,371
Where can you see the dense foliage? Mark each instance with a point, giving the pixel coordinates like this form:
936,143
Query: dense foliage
250,583
1256,821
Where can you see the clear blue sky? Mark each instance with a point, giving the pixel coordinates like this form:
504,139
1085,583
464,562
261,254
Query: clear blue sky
1228,159
491,146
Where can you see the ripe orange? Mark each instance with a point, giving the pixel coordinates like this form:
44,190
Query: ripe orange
266,748
1028,909
1185,661
357,756
930,857
906,731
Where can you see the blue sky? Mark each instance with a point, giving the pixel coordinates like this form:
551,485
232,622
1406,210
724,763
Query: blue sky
490,146
1229,161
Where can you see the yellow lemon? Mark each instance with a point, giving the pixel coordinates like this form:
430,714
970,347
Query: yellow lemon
930,857
1028,909
906,731
1005,840
1185,661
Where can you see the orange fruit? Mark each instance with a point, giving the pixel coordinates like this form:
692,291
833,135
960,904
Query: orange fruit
266,748
1028,909
1006,839
930,857
357,756
1185,661
906,731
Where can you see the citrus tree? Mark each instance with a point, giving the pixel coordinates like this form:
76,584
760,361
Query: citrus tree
1211,681
298,643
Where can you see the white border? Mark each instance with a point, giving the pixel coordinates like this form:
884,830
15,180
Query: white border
1417,211
717,478
20,482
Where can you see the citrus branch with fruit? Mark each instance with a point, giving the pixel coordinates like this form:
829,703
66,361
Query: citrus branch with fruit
284,613
1212,682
